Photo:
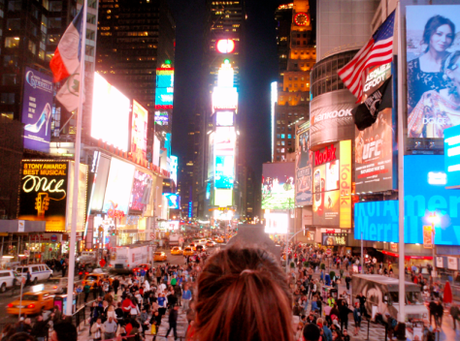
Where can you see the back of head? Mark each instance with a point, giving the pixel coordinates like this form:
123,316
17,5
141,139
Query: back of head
243,295
65,331
311,332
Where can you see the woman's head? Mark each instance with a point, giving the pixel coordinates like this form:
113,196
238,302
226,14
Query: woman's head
243,295
439,33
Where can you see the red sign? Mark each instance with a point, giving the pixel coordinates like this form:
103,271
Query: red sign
102,263
328,252
325,156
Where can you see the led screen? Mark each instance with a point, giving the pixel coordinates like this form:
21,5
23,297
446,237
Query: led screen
140,193
432,34
174,166
117,195
304,159
452,156
224,118
161,118
425,195
164,97
278,185
224,171
164,92
173,200
224,99
276,223
224,161
139,131
110,114
223,197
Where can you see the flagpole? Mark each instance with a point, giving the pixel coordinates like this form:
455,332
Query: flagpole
401,149
73,231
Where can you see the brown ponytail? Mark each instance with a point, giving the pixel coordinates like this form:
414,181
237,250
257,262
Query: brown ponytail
243,296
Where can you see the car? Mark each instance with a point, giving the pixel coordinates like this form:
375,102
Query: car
9,279
58,285
38,272
159,256
193,245
32,303
144,266
219,240
210,243
200,248
176,250
94,277
188,251
201,242
87,257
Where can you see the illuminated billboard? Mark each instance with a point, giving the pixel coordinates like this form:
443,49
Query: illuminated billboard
225,46
223,197
303,171
174,166
173,200
432,106
332,185
224,162
110,114
224,118
36,110
139,131
164,92
425,195
278,185
225,95
44,193
276,223
161,117
119,184
140,193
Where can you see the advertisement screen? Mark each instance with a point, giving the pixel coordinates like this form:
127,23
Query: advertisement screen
173,200
43,193
224,118
139,131
110,114
452,156
303,164
140,193
224,142
332,185
224,171
432,86
278,185
223,197
36,110
330,123
164,92
329,239
100,183
276,223
164,97
224,99
174,166
81,203
425,195
374,155
161,118
119,186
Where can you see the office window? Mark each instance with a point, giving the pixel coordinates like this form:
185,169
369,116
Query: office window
289,136
283,143
55,6
277,136
283,136
12,42
14,6
54,22
13,24
10,61
9,79
53,38
7,98
41,54
283,150
32,47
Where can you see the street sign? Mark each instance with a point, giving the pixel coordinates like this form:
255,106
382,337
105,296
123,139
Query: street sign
152,235
102,263
328,252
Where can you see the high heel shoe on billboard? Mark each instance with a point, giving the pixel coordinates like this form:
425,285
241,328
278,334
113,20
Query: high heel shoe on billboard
44,118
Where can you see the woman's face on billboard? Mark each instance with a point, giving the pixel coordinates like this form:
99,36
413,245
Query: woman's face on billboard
441,39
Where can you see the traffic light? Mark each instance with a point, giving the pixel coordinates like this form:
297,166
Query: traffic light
38,203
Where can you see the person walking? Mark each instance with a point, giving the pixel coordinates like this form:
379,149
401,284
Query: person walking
439,314
110,328
455,313
97,329
357,317
173,321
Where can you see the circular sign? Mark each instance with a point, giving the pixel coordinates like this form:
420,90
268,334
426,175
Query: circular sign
328,252
225,46
102,263
302,19
53,238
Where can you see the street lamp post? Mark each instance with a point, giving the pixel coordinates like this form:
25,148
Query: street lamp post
433,219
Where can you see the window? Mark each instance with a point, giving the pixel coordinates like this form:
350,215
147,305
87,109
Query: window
283,143
283,136
53,38
7,98
34,11
289,136
54,22
35,269
46,4
277,136
55,6
12,42
9,115
32,47
13,24
41,54
14,6
283,150
10,61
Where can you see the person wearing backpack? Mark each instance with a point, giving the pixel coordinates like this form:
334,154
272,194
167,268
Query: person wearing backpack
357,317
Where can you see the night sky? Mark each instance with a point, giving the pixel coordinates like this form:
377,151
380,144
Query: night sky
260,69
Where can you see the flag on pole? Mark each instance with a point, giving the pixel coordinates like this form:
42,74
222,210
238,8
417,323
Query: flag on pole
378,51
66,59
69,93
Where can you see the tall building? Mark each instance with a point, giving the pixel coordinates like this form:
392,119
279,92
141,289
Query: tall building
136,43
291,103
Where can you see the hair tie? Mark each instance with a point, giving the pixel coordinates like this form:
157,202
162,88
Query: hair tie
247,271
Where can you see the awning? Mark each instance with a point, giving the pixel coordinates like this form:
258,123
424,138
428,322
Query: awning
388,253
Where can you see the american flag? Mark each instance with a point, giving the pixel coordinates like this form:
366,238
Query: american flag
378,51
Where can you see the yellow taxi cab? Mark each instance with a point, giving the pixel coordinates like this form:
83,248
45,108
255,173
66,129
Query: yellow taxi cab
32,303
93,278
210,243
219,240
176,250
188,251
159,257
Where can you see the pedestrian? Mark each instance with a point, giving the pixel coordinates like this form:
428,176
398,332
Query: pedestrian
432,311
173,321
40,328
64,331
455,313
86,290
439,314
97,329
357,317
110,328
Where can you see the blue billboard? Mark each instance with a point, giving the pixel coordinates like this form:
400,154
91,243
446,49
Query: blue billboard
452,156
173,200
36,110
425,195
224,171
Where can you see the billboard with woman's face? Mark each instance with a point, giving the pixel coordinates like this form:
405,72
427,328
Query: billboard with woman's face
433,75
